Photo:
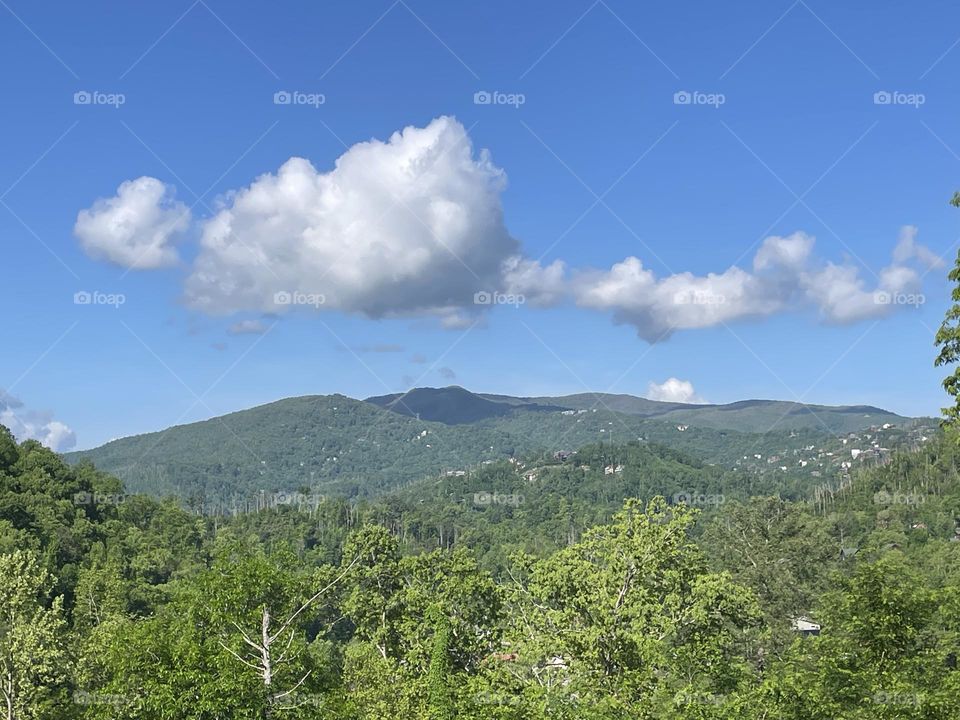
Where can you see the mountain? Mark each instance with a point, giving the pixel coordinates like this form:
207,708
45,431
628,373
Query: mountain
316,442
760,415
338,445
627,404
453,405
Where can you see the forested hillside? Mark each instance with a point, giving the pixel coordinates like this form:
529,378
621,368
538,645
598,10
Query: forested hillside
455,405
336,445
510,592
756,416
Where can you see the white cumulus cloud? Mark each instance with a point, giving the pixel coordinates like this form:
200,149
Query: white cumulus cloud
673,390
412,225
26,424
136,228
785,275
843,296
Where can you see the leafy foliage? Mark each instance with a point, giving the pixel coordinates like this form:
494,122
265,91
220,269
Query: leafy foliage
603,593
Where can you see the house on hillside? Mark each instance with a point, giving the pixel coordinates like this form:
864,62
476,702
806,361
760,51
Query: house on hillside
805,626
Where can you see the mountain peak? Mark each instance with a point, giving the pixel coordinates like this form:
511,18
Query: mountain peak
451,405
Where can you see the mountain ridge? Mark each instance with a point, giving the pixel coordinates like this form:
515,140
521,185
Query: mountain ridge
341,445
754,415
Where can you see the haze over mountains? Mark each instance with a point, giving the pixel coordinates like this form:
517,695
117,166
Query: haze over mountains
337,444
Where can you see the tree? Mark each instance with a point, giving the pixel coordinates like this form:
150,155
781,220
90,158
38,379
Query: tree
624,623
779,551
948,340
32,637
374,585
278,637
438,678
450,589
241,639
880,653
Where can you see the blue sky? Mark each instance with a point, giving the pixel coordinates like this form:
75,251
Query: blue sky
601,162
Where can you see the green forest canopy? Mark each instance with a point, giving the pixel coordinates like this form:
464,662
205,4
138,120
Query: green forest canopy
458,598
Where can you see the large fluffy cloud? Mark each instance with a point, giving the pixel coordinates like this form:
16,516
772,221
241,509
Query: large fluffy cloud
136,228
411,225
784,275
28,424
